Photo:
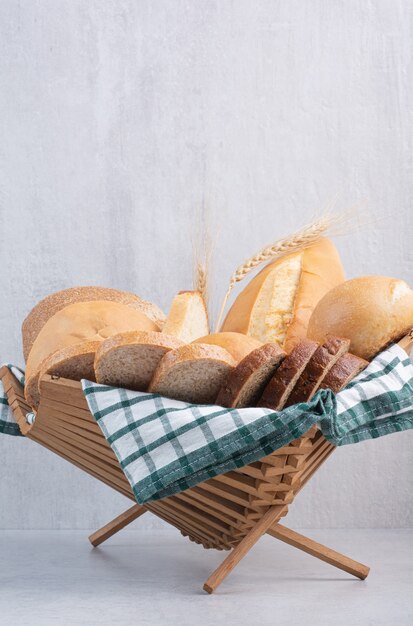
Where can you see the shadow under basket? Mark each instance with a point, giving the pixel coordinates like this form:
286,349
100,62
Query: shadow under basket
228,512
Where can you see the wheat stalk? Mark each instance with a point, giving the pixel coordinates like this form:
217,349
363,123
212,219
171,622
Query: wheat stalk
299,240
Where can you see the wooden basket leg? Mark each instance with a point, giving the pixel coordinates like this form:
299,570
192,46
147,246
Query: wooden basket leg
319,551
242,548
116,525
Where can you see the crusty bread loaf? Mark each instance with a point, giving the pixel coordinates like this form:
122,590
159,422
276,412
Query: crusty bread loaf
237,344
53,303
192,373
277,303
346,368
323,359
371,311
245,383
277,391
130,359
77,323
188,317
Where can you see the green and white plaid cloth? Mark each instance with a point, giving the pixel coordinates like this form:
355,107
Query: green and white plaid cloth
8,424
165,446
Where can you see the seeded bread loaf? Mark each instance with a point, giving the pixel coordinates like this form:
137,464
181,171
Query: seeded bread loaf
130,359
192,373
53,303
282,383
323,359
246,382
346,368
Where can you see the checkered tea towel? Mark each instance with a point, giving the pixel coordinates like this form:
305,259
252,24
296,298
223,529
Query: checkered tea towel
165,446
8,424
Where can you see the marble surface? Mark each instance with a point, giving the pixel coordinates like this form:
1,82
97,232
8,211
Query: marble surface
155,578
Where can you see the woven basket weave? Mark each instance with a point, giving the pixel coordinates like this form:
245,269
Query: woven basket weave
218,513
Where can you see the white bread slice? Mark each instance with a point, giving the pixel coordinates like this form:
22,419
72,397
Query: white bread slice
192,373
245,384
277,303
237,344
53,303
130,359
77,323
188,318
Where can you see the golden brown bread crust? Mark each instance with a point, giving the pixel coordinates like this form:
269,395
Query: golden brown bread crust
317,368
53,303
371,311
74,362
262,361
346,368
321,270
237,344
278,389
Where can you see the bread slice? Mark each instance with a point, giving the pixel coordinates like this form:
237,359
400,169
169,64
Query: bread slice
53,303
323,359
192,373
74,362
130,359
188,317
245,384
237,344
281,384
77,323
346,368
277,303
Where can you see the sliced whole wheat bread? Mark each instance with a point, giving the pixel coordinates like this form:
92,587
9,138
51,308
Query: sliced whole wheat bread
281,384
245,383
192,373
323,359
346,368
74,362
129,359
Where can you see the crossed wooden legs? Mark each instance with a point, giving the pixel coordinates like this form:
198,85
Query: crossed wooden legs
266,524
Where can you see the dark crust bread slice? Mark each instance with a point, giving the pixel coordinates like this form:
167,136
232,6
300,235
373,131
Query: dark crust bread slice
246,382
323,359
346,368
279,388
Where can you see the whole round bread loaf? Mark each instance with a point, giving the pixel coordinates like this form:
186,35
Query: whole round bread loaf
237,344
53,303
371,311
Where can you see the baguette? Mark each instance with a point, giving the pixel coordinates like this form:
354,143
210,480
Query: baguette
277,303
192,373
246,382
129,359
276,393
53,303
323,359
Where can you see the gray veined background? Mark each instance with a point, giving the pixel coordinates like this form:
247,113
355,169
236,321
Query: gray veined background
120,119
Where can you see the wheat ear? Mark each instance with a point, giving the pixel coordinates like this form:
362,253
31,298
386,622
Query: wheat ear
303,238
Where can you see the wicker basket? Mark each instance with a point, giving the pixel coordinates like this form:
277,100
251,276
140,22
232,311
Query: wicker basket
231,511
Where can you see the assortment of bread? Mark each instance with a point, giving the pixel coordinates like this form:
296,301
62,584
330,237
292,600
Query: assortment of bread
297,327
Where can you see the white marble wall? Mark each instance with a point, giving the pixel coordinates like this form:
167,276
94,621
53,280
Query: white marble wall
121,119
